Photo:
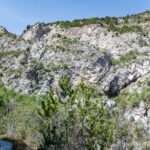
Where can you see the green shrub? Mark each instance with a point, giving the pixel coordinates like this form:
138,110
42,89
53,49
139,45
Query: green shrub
73,119
110,20
28,27
8,34
146,147
142,43
82,22
61,48
66,117
132,55
138,133
18,115
125,29
21,120
9,53
123,131
130,147
77,22
134,99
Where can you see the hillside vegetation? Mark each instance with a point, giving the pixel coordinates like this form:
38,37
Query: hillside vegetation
77,85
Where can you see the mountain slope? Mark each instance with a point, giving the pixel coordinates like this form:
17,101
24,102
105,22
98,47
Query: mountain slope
112,55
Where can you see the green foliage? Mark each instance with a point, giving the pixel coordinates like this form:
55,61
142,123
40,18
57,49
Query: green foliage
77,23
28,27
9,53
138,132
147,19
8,34
125,29
123,131
146,147
21,120
6,95
73,119
130,147
61,48
67,41
82,22
18,115
132,55
133,99
142,42
68,118
110,20
49,106
145,94
48,111
65,85
126,19
60,67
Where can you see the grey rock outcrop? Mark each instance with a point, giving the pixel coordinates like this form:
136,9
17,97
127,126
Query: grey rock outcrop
124,76
110,62
35,32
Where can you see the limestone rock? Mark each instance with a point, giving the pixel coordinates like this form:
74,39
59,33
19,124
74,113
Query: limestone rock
35,32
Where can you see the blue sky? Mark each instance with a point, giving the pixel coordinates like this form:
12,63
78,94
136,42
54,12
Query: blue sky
15,15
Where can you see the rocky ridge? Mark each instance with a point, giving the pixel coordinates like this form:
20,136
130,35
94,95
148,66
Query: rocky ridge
107,60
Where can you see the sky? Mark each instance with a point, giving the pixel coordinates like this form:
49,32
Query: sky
15,15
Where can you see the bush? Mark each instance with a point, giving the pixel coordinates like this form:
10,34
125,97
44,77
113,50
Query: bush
18,114
28,27
9,53
132,55
77,22
142,43
65,118
8,34
74,121
125,29
110,20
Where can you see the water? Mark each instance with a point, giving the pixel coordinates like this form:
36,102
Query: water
4,145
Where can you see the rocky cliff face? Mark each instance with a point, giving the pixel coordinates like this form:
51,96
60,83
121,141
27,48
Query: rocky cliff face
110,59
